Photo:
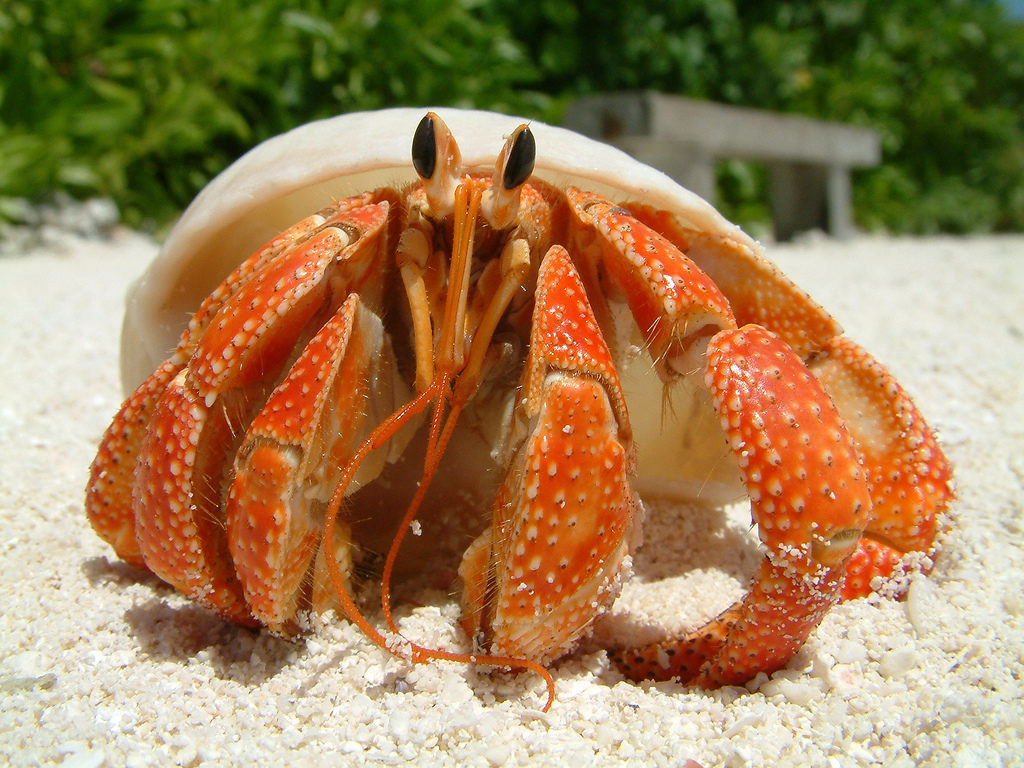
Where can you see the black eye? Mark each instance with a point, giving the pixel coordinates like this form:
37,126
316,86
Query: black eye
424,148
520,160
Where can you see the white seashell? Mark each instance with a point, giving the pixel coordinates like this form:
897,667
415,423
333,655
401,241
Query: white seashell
290,176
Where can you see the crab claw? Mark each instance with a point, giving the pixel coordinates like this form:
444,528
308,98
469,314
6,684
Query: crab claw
565,519
809,497
290,459
909,476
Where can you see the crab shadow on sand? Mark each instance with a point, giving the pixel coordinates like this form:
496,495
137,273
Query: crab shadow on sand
168,627
679,540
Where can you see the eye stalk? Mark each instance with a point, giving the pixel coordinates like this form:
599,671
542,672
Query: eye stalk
424,147
514,166
438,161
521,158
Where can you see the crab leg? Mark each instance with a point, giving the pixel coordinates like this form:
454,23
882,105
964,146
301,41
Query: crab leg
565,518
194,429
809,497
109,503
675,304
757,290
909,475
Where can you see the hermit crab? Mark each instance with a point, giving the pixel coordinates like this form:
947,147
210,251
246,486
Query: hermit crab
516,340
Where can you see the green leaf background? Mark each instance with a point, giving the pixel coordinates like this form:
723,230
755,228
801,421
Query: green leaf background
144,101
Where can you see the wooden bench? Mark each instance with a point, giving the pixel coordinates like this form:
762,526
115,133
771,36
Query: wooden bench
809,161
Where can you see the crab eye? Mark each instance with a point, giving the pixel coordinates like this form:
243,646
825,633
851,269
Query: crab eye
424,148
520,161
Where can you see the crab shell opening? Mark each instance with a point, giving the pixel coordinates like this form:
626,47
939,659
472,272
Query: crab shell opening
290,176
293,175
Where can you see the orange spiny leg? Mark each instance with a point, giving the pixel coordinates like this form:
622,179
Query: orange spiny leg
263,319
909,476
565,517
291,456
295,235
108,501
809,498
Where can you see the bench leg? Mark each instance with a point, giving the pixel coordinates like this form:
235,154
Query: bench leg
840,202
797,198
807,196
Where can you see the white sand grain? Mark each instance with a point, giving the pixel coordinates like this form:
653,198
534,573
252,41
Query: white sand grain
102,665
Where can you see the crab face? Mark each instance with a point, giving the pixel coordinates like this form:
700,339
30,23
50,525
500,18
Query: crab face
566,327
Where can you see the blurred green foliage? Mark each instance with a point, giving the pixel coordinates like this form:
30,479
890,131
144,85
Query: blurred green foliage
145,100
941,80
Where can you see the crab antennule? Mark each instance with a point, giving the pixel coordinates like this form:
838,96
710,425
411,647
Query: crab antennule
451,347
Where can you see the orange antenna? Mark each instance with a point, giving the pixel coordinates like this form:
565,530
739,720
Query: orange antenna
451,361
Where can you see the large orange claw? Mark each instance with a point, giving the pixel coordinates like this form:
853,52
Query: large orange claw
275,506
909,476
565,518
809,497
